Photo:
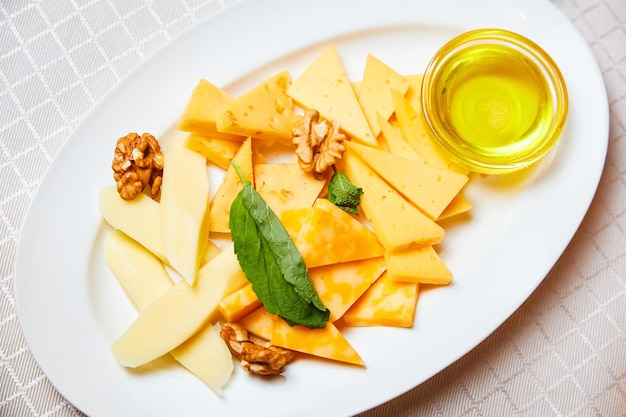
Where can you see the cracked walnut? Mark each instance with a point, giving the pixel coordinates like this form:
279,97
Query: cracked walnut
137,164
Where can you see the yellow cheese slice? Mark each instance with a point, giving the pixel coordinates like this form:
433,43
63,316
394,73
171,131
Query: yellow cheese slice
215,150
375,91
418,135
422,265
329,235
144,279
340,285
184,214
219,207
396,144
398,224
138,218
386,303
414,93
242,302
458,205
285,186
324,86
430,189
179,313
326,343
199,114
263,112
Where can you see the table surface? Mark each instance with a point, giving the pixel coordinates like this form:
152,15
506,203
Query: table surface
563,353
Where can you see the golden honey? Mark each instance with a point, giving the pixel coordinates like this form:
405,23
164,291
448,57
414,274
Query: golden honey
494,100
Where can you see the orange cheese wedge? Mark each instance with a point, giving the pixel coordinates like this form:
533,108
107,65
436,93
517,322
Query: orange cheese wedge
386,303
340,285
237,305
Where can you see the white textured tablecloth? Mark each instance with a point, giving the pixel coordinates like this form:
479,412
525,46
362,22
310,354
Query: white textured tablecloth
563,353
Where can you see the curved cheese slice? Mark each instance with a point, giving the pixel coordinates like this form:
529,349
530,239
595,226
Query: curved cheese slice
144,279
179,313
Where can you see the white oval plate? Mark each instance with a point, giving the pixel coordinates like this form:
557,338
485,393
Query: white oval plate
71,308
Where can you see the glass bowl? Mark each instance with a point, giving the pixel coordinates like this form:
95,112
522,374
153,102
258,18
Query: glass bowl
494,100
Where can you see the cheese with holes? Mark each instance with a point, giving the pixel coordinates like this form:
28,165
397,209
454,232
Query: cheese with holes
386,303
144,279
340,285
263,112
326,343
422,265
418,135
414,93
324,86
430,189
219,207
199,114
398,224
375,91
179,313
237,305
328,235
458,205
215,150
137,218
184,212
285,186
396,144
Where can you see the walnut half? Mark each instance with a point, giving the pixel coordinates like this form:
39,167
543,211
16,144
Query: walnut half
319,144
137,163
255,355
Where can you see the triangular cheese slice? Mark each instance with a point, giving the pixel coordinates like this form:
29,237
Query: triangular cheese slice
422,265
259,323
324,86
199,114
219,208
329,235
326,343
417,134
414,93
430,189
398,224
263,112
286,186
375,91
340,285
395,143
458,205
386,303
215,150
239,304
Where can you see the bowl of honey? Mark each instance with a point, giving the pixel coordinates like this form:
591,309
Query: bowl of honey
494,100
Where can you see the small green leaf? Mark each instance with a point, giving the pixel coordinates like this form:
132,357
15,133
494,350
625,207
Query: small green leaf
271,261
344,194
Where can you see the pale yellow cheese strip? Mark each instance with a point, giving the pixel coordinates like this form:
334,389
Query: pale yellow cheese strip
144,279
138,218
422,265
179,313
324,86
375,90
184,211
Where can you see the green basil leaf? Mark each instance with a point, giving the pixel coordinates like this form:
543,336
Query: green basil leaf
271,261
